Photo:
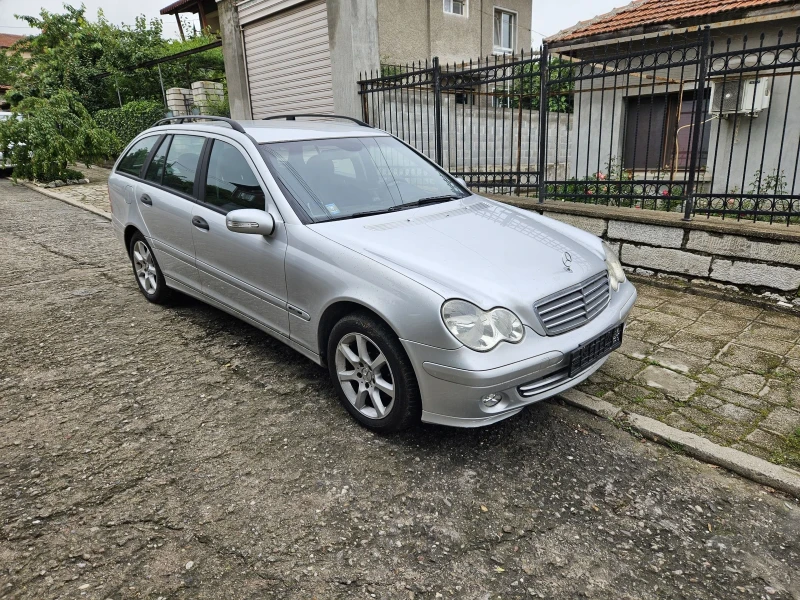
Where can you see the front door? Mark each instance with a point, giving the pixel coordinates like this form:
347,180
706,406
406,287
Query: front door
244,271
165,200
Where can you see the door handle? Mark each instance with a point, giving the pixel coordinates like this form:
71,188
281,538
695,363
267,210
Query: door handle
200,223
145,199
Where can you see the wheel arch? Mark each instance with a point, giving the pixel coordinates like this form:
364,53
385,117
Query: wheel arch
333,313
130,231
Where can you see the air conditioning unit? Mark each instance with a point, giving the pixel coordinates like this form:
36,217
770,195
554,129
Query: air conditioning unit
744,96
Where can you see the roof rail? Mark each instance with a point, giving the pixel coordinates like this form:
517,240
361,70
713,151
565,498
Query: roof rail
318,116
233,123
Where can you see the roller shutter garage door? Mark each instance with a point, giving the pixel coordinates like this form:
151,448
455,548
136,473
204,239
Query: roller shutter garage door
289,62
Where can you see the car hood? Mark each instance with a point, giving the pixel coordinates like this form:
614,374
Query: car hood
477,249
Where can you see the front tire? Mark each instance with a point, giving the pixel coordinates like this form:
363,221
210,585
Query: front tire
372,374
148,274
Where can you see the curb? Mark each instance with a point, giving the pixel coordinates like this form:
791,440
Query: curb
86,207
748,466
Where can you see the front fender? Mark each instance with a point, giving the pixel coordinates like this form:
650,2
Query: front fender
321,272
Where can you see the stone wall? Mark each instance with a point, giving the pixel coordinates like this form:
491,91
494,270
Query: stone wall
753,257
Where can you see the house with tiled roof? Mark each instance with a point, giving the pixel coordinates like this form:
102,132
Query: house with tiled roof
7,40
687,96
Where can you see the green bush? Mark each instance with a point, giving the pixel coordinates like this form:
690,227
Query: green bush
130,120
218,108
53,134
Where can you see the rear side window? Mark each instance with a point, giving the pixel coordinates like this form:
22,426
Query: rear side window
134,159
230,183
155,170
182,158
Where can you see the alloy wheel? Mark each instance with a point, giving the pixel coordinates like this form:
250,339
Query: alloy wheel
145,267
365,375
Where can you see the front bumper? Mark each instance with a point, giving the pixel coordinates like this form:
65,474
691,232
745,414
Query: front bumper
452,382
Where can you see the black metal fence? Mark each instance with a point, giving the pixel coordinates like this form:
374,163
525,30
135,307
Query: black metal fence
692,123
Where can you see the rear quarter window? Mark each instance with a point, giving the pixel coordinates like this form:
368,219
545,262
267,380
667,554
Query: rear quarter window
133,161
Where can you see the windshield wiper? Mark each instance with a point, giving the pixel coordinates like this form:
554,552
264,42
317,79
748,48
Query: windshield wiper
365,213
424,201
407,205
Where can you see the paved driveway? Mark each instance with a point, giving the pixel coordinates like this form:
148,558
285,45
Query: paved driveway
178,453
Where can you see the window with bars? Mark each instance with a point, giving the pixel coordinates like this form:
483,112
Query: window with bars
505,31
455,7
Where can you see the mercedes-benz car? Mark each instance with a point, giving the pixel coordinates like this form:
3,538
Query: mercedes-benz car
423,300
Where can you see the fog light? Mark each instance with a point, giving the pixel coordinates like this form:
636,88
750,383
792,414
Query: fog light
490,400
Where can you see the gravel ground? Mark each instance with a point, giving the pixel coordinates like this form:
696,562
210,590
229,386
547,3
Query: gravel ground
150,452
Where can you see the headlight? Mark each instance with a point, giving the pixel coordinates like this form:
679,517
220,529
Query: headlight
616,274
479,329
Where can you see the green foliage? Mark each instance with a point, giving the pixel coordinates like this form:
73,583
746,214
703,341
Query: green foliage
772,184
525,86
617,186
11,65
53,133
130,120
217,108
93,59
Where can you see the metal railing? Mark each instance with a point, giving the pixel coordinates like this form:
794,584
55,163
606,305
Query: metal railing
688,123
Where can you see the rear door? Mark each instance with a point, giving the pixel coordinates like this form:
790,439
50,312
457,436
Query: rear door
244,271
165,199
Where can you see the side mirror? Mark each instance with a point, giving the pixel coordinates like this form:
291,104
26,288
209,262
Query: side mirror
462,182
250,220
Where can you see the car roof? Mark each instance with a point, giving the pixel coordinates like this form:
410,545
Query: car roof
279,130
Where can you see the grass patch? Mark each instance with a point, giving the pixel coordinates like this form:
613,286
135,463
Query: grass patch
789,452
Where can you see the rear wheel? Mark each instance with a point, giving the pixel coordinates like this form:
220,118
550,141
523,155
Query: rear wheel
148,274
372,374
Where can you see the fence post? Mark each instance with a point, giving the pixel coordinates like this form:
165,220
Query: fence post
364,100
437,110
699,115
544,106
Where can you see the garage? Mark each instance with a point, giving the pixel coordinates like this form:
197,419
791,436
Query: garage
287,56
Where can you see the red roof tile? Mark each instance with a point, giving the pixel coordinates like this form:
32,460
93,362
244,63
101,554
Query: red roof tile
640,13
7,39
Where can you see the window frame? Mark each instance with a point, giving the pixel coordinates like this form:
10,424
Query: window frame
500,50
464,8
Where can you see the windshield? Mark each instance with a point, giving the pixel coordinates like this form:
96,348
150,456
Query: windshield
346,177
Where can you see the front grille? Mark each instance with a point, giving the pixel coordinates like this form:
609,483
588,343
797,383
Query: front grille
574,306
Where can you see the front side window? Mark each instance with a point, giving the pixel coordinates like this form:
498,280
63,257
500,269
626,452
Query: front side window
182,159
339,178
133,161
505,24
230,182
455,7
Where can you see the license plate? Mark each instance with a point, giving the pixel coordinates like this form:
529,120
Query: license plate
590,352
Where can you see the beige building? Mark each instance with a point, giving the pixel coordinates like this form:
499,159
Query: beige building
305,56
453,30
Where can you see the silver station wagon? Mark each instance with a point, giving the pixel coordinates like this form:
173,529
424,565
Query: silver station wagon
422,299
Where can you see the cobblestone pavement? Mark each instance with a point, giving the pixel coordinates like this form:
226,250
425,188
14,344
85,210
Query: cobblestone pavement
725,370
176,452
